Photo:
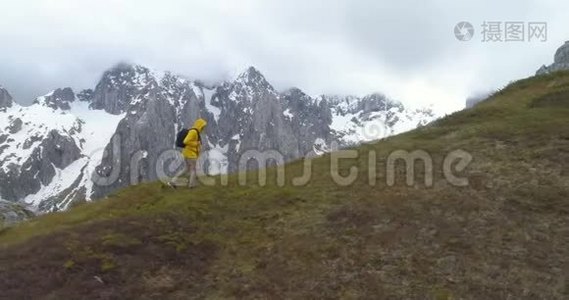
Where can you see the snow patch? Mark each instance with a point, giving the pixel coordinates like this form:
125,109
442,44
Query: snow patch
288,114
238,139
208,96
62,180
37,122
217,158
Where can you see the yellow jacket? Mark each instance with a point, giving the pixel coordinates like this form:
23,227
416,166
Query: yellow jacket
192,142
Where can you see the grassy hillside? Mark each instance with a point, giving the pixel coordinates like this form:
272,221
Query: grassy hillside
504,236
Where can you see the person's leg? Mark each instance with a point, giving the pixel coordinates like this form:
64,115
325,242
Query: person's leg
174,181
192,171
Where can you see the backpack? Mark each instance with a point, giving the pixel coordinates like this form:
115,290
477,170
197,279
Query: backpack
182,136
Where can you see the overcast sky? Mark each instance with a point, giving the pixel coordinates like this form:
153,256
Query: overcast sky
405,49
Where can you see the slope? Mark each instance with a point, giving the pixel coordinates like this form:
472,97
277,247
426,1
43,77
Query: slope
504,236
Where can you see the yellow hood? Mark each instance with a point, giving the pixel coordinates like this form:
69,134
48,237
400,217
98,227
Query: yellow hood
199,124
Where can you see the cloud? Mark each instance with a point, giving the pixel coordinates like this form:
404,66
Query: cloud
405,49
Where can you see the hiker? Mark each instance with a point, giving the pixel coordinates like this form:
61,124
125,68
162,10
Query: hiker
190,141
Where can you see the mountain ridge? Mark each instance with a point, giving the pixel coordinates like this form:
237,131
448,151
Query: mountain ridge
143,109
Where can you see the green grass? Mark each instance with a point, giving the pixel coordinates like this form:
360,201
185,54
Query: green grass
504,235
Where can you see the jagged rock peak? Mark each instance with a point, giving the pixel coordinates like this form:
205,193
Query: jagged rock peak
560,61
379,101
57,99
120,85
85,95
169,80
252,77
126,74
5,99
562,54
297,94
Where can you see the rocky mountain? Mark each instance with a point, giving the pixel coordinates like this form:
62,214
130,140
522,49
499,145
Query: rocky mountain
356,120
560,61
57,99
48,149
66,146
5,100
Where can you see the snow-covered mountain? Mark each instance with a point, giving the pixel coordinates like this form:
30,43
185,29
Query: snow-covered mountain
50,147
356,120
51,151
